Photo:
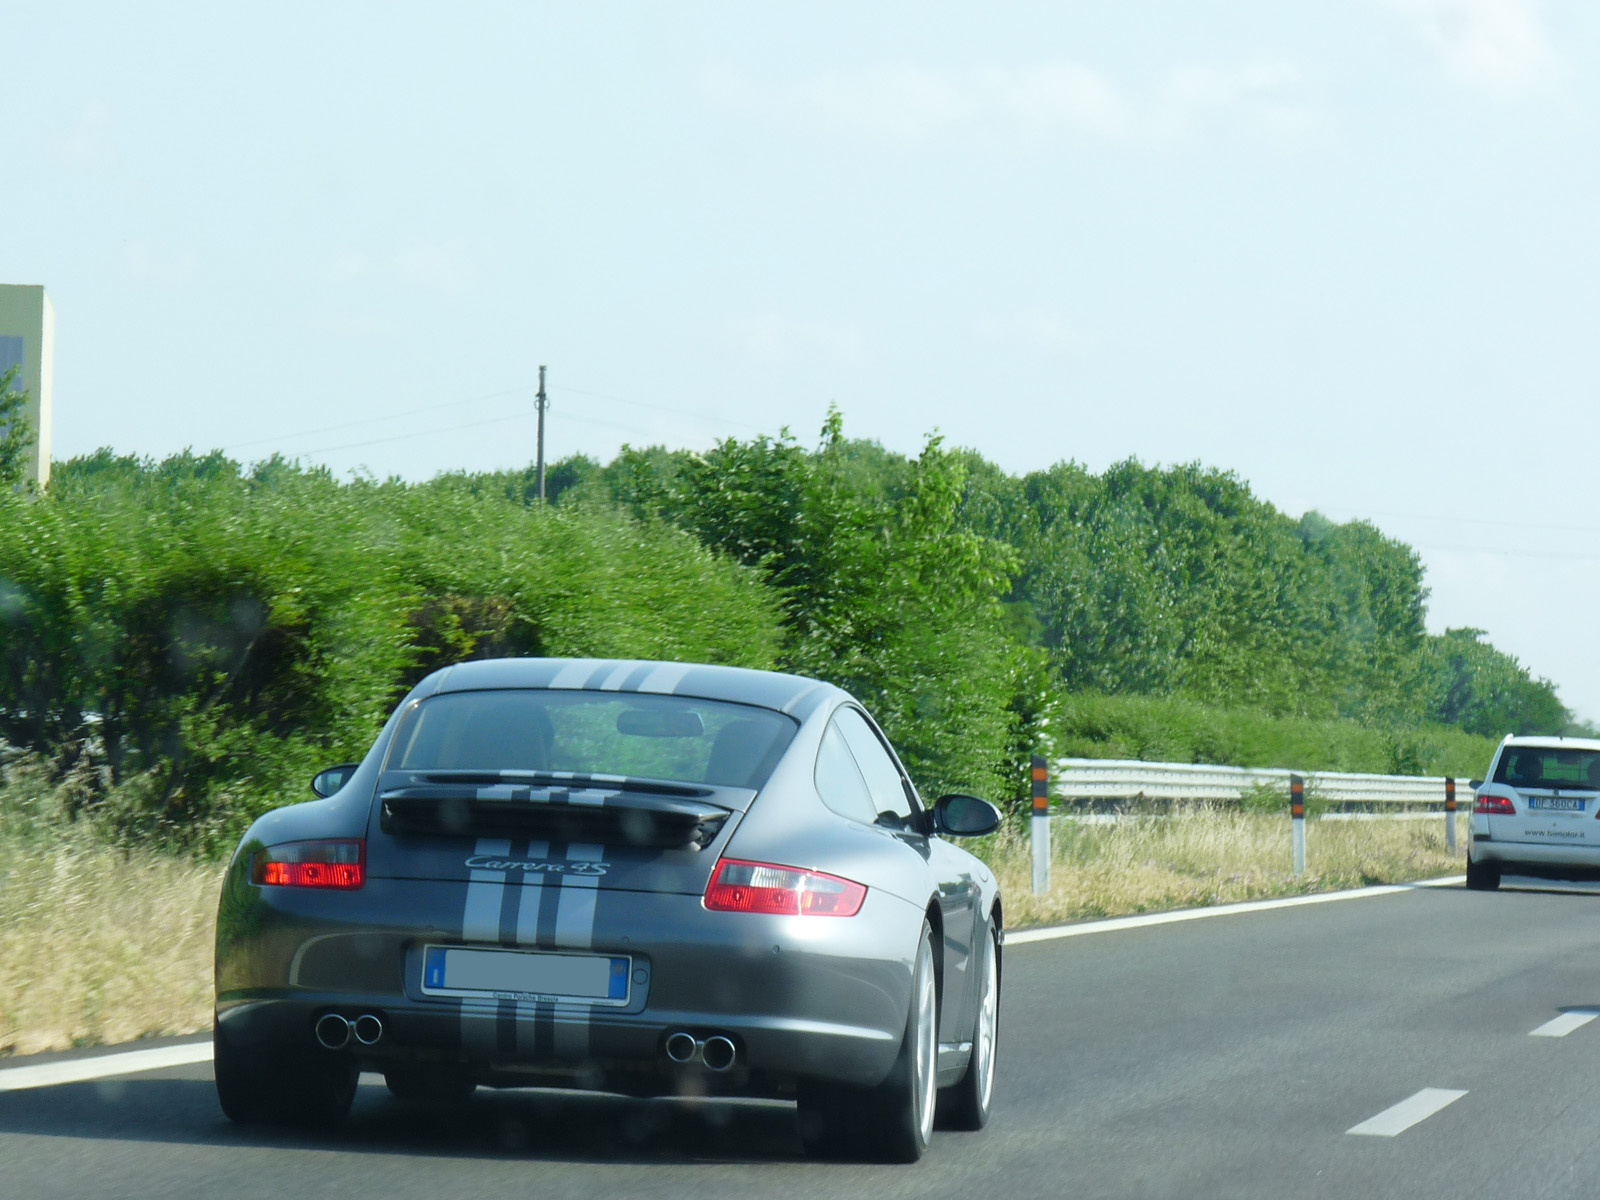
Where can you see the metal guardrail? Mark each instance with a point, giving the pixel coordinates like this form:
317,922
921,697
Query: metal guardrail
1089,780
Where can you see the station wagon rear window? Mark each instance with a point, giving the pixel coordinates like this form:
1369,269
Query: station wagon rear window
638,735
1548,767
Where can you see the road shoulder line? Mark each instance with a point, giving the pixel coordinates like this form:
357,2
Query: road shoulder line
103,1066
1114,924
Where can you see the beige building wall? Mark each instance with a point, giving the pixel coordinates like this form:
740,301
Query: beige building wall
26,313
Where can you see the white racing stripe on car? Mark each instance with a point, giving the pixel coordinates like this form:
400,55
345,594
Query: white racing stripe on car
575,914
665,677
613,681
575,931
572,675
528,935
480,922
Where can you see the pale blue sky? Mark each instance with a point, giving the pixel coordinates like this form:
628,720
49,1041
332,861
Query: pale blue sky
1347,249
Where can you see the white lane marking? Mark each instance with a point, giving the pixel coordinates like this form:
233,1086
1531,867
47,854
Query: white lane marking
1112,925
1394,1121
103,1066
1566,1023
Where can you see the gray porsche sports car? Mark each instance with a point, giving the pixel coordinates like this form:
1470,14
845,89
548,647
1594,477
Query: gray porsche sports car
643,877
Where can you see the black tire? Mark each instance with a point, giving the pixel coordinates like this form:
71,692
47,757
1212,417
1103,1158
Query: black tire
1483,876
893,1121
273,1086
965,1104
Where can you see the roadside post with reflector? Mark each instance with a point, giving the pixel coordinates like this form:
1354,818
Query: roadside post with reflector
1040,830
1450,814
1297,820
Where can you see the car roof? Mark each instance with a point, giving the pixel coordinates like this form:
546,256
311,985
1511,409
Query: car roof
793,694
1554,743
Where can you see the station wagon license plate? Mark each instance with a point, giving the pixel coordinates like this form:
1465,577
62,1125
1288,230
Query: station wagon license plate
1555,803
525,975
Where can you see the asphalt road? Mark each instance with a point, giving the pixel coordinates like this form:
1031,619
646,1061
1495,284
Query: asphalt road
1227,1057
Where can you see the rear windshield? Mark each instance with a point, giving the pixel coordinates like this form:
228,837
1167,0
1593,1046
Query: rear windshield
1548,766
641,736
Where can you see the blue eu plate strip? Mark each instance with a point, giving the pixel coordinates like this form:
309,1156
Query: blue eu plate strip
433,972
619,979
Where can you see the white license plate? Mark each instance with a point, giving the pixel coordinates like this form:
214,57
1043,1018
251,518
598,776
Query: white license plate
526,975
1555,803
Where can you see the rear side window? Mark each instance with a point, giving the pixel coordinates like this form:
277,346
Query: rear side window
639,735
890,803
839,780
1548,767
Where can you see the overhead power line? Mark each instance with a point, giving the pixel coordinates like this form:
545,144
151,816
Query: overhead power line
1493,553
432,430
410,412
1541,525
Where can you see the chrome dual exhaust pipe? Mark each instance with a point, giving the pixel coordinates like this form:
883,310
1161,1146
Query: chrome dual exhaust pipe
715,1053
334,1031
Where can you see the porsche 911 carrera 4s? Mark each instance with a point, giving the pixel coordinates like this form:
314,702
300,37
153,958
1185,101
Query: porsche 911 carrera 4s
641,877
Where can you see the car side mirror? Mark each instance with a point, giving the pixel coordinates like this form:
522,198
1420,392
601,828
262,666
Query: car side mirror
325,783
1474,784
965,816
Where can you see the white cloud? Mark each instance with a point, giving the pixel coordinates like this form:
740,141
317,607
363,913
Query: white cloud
781,340
908,103
1498,45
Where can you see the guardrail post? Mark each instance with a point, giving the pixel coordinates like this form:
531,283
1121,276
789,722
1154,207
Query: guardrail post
1450,814
1297,819
1040,830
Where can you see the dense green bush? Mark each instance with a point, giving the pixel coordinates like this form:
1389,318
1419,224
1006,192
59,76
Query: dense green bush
198,638
1167,729
885,591
210,637
1179,581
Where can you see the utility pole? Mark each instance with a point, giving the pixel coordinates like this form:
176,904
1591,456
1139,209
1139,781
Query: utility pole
543,403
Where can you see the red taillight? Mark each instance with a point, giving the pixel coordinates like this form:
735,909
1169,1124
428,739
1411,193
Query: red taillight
341,864
739,886
1493,805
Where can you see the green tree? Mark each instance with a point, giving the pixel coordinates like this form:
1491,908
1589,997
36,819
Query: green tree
16,434
1486,691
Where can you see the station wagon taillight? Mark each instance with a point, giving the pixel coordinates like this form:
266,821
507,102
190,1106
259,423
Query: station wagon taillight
340,864
739,886
1493,805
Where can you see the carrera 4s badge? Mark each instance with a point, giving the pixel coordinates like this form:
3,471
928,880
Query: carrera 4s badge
537,866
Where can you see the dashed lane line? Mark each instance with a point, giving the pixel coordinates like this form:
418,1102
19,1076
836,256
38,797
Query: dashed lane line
103,1066
1575,1018
1395,1120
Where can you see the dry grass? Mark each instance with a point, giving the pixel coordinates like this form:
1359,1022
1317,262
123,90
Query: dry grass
98,945
1201,856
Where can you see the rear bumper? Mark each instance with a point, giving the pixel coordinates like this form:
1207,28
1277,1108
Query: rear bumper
1538,859
800,998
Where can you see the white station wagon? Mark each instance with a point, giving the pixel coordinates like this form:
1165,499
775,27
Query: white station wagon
1537,812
